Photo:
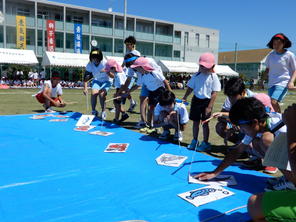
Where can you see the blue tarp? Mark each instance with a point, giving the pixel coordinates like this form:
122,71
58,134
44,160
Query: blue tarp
51,173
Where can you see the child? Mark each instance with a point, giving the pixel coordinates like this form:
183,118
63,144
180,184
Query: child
129,60
279,205
113,68
155,83
101,82
130,43
258,126
281,69
169,115
234,90
205,85
51,93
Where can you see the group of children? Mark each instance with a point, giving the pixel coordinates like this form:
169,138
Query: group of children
250,120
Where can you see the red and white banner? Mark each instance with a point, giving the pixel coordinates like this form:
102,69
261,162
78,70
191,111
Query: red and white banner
50,28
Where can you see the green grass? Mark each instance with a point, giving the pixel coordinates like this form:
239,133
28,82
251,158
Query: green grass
20,101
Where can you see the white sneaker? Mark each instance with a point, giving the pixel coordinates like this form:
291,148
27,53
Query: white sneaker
49,110
165,134
132,106
95,112
112,110
103,115
178,136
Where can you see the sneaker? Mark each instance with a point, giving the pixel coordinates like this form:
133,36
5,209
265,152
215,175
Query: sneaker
112,110
192,146
204,146
270,169
103,115
132,106
141,125
178,136
273,181
165,134
116,121
124,116
95,112
49,110
282,185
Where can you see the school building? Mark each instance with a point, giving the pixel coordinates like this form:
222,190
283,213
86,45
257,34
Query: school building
247,62
28,20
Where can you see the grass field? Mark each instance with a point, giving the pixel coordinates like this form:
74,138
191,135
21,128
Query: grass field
20,101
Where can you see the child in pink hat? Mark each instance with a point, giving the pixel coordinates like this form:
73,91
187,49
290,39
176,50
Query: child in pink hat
114,69
205,85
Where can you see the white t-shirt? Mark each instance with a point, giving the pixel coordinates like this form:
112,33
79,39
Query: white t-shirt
227,104
204,84
35,75
97,71
42,75
55,92
273,120
157,68
119,79
281,67
152,80
179,107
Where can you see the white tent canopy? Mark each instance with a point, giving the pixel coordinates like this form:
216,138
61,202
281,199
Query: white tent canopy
191,67
18,56
176,66
65,59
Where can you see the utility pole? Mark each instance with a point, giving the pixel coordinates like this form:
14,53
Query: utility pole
124,26
43,36
235,56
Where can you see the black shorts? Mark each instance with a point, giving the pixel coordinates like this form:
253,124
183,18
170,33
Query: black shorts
198,109
154,96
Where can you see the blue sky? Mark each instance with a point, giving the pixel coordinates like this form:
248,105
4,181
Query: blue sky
250,23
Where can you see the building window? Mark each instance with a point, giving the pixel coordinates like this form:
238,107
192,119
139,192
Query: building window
177,34
197,38
186,38
118,46
177,54
41,13
78,19
58,17
23,11
208,40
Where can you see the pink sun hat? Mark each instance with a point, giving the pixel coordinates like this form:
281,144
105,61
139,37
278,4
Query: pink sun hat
207,60
144,63
112,63
265,99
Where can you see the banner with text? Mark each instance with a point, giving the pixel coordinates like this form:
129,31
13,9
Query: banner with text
21,32
78,38
50,29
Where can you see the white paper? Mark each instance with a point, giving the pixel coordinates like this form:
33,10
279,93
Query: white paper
58,120
101,133
36,117
220,180
116,147
167,159
205,195
277,153
85,120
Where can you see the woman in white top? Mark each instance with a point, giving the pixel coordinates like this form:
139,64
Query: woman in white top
281,69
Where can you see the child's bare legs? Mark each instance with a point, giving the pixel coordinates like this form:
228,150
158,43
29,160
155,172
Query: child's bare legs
150,114
195,129
102,96
276,106
255,208
117,109
206,132
143,105
261,144
94,95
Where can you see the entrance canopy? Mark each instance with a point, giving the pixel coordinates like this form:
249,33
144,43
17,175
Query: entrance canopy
18,56
191,67
65,59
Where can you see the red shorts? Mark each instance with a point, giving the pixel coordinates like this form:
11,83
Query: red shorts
41,99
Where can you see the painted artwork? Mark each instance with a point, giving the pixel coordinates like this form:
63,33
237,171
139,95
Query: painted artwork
167,159
220,180
85,120
84,128
101,133
116,148
205,195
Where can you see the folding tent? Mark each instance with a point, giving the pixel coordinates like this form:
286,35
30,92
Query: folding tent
17,56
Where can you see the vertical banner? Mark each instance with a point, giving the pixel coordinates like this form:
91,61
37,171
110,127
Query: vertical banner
78,38
21,29
50,29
